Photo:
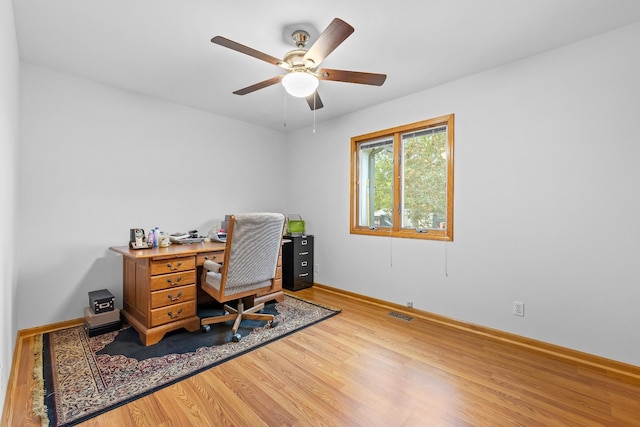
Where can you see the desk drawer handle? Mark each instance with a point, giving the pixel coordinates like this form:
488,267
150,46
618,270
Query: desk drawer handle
171,315
303,253
172,283
303,274
172,268
176,298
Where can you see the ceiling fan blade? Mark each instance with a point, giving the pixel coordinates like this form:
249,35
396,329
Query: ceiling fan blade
351,76
314,101
261,85
249,51
331,37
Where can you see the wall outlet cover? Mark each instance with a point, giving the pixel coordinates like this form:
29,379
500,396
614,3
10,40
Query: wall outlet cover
518,308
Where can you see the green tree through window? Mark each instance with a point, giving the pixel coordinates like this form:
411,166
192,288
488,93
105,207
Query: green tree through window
425,176
384,181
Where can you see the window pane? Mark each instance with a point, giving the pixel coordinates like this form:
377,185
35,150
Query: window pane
424,179
376,183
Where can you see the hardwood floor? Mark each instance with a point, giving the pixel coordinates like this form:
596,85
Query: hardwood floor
367,368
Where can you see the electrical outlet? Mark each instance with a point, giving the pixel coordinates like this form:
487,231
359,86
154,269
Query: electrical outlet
410,304
518,308
317,268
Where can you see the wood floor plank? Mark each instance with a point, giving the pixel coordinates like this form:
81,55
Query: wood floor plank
364,367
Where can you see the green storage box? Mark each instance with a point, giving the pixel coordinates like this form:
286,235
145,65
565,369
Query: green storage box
295,225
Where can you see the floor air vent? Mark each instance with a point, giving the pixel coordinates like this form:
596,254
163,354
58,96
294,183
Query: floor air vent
400,316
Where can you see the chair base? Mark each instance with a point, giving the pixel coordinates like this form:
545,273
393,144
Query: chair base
237,315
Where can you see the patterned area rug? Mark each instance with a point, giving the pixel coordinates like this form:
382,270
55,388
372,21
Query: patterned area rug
80,377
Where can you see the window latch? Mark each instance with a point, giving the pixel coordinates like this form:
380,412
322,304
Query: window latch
421,230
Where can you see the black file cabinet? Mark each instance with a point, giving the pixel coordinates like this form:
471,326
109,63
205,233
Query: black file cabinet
297,262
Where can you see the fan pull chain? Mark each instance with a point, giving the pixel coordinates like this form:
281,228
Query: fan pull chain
315,95
285,108
446,259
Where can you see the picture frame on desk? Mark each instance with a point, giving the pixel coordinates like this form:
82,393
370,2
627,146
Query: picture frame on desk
137,239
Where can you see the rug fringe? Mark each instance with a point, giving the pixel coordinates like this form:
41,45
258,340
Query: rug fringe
37,404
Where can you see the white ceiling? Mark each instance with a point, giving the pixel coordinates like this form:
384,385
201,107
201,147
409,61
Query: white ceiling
162,48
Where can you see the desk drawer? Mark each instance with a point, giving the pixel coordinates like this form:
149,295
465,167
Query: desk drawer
172,313
211,256
173,280
172,265
173,296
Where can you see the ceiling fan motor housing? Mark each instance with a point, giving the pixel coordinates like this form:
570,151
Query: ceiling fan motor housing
295,59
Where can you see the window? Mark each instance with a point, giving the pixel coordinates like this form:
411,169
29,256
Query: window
402,181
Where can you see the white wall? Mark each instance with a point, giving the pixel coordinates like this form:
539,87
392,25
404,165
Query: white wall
545,205
546,200
8,145
95,161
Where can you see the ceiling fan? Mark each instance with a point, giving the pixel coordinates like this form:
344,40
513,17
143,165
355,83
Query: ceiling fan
301,64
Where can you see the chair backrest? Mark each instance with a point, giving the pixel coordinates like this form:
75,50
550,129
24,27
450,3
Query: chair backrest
251,254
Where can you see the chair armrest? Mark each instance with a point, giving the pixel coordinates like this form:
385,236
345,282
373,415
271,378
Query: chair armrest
212,266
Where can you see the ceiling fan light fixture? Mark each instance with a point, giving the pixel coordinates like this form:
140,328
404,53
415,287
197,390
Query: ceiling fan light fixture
300,83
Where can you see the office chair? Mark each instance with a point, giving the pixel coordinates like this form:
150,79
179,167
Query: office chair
250,261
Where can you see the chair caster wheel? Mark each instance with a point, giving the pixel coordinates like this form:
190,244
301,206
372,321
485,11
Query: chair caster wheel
205,328
273,323
236,337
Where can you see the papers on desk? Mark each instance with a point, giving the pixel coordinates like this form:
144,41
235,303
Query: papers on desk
192,237
185,238
178,236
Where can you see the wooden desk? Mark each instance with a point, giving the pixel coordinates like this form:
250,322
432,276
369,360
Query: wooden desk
160,287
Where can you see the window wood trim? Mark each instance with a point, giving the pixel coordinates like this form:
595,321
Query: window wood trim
396,230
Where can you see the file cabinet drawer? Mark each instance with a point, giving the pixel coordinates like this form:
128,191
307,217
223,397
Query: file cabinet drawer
172,265
166,281
172,313
173,296
211,256
303,263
